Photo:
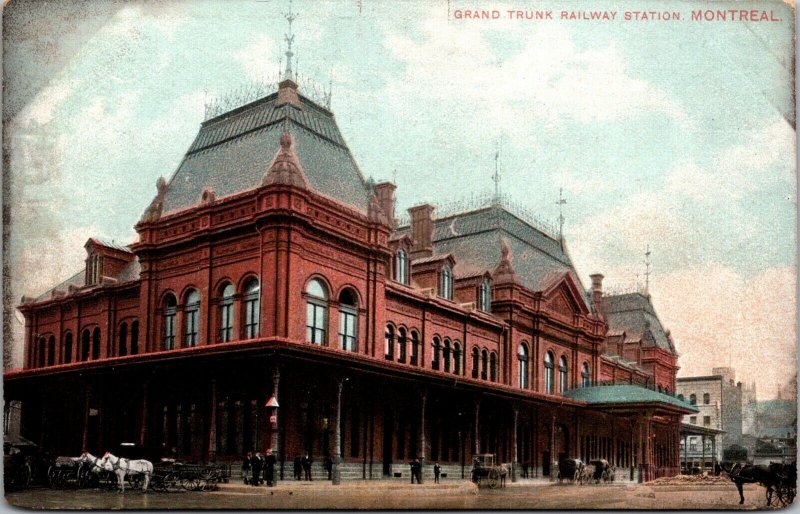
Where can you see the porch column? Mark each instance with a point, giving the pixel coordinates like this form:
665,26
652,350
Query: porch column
422,399
337,449
703,453
212,424
143,426
553,463
273,422
476,439
714,451
85,442
514,449
686,454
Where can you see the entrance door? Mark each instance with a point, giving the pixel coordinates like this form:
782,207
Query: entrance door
546,464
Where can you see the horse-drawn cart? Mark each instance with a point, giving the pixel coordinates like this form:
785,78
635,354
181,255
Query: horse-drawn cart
484,468
191,477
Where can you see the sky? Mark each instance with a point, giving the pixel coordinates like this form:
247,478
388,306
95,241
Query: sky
672,134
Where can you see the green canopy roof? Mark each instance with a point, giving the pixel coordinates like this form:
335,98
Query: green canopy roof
622,394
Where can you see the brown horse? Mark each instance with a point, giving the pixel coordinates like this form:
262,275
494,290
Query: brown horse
741,474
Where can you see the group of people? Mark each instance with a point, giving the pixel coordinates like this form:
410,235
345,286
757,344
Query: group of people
254,464
416,472
302,467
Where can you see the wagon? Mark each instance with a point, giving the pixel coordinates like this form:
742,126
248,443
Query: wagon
484,467
68,472
169,475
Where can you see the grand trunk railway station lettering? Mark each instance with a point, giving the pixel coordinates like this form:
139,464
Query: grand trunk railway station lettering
272,301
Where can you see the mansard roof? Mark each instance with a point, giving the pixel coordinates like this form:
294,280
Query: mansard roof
233,151
633,313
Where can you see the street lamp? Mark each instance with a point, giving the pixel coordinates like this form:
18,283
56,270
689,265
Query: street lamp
272,413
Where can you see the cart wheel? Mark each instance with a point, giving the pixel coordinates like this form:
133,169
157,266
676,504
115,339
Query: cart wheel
170,482
136,481
494,478
190,484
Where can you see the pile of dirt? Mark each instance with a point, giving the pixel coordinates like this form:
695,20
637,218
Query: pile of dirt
704,479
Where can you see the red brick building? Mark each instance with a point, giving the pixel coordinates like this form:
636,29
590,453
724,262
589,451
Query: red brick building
267,267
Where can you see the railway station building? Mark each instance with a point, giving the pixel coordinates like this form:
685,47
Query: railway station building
274,301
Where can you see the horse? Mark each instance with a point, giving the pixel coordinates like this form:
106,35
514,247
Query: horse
603,470
122,467
741,474
570,469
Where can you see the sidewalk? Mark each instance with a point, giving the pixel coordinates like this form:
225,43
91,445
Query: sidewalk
325,487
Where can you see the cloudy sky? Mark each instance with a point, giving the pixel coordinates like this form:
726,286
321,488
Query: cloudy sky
667,133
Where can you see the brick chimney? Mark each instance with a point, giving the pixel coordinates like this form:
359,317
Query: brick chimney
385,193
422,230
597,291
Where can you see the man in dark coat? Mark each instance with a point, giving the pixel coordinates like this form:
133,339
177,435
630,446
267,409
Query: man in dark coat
246,467
256,465
329,467
298,468
306,463
437,470
270,461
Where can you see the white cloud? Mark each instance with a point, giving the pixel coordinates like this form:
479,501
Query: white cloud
41,110
258,59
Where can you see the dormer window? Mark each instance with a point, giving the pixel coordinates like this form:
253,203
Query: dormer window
94,269
401,267
485,296
446,283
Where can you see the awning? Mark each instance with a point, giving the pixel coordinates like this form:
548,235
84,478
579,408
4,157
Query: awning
629,397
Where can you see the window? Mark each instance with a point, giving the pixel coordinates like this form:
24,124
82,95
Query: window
446,355
402,341
94,269
401,267
706,421
446,283
693,420
693,444
693,399
706,398
522,357
475,361
562,374
680,397
586,375
134,337
485,296
548,372
191,318
86,345
226,314
348,320
493,367
388,351
457,358
123,340
96,343
252,308
316,312
484,364
170,307
414,348
67,348
437,345
42,349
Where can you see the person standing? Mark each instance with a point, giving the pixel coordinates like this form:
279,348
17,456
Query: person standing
437,470
270,461
246,469
306,463
256,466
328,463
298,468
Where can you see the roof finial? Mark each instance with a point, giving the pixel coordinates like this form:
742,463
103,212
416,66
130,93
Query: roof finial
561,201
647,271
496,176
290,17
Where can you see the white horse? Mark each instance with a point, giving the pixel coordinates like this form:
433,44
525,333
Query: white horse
122,467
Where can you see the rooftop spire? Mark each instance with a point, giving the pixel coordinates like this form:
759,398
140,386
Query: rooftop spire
290,17
561,201
496,176
647,271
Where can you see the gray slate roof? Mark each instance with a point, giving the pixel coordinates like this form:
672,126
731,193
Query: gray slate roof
232,152
634,314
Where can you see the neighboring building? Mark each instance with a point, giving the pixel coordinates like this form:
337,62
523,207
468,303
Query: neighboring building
268,268
749,409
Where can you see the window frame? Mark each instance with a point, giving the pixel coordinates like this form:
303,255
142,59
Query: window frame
191,319
252,308
522,363
316,308
549,372
226,314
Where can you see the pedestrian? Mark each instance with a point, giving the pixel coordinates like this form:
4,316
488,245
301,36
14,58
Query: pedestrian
437,470
418,468
256,464
413,469
246,469
306,463
270,461
298,468
328,463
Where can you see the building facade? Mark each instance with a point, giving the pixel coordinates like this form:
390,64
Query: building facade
268,268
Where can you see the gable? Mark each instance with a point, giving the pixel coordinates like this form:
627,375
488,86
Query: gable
564,296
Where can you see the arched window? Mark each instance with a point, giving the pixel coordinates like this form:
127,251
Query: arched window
401,267
485,296
226,313
134,337
402,341
446,283
457,358
681,397
191,319
693,399
252,308
348,320
96,343
475,362
549,382
522,356
493,367
586,377
316,312
67,357
123,340
562,374
446,351
388,349
86,345
414,348
51,351
170,307
484,364
437,346
42,350
706,398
